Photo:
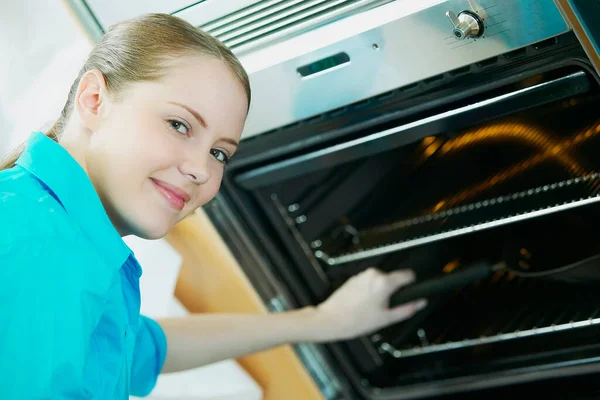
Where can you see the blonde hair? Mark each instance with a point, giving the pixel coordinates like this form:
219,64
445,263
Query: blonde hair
137,50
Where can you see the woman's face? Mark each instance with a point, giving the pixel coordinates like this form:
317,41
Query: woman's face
158,152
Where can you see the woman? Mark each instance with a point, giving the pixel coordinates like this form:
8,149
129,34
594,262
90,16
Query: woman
153,118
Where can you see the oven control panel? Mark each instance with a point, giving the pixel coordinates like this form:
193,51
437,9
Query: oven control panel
392,46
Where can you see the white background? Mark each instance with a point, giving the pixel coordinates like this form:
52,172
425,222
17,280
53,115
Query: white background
41,52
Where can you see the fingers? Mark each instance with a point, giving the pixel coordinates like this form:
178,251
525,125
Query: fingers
386,283
401,278
396,279
406,311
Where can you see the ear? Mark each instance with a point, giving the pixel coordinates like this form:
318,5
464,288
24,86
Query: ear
91,99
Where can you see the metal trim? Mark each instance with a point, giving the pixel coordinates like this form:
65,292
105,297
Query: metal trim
386,249
561,370
264,176
579,29
252,40
398,353
270,290
86,17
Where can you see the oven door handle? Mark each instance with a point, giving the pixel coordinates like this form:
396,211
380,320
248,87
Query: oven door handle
451,281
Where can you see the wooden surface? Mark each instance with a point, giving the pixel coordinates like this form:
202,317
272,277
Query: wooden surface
211,280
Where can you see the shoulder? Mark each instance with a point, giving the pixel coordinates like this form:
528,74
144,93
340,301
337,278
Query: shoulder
33,221
41,245
40,249
24,199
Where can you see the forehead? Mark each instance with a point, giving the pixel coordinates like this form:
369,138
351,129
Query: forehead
209,76
206,84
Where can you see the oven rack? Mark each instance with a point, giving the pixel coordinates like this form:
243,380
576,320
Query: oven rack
473,217
386,347
508,308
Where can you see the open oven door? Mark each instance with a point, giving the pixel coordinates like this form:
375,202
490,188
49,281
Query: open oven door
504,148
582,16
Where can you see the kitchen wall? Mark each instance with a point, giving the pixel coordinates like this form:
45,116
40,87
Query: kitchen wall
42,51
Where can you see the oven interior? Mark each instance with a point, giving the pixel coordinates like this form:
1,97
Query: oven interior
518,165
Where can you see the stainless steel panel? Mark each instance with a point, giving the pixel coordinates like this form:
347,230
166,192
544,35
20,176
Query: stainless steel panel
281,21
409,49
210,14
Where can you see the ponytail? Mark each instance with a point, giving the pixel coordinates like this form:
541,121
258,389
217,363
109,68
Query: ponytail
12,157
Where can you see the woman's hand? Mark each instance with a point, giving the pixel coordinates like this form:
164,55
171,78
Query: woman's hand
360,305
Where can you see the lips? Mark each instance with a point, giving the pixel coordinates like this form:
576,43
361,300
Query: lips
175,197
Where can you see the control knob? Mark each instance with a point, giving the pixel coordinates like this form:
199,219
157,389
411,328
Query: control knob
466,25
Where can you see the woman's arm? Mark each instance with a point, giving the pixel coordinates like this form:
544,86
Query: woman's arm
357,308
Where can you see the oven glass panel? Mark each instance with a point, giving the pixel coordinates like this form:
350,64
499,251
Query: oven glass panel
529,179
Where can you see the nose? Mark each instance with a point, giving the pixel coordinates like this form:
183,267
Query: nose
196,169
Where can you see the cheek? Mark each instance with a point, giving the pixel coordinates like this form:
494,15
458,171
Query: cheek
126,159
149,150
207,191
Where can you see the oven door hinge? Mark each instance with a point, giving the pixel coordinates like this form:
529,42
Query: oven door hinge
312,359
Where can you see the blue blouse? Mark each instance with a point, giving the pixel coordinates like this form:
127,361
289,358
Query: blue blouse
70,323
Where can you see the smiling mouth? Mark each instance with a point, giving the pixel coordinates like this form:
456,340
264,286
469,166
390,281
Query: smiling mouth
175,197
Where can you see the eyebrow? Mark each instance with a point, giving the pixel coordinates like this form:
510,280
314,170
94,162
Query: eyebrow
195,113
201,120
230,141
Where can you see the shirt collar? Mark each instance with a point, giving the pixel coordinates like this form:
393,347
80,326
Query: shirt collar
58,170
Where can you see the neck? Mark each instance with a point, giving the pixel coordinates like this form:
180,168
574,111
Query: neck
75,141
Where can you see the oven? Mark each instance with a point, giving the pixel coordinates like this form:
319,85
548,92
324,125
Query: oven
435,138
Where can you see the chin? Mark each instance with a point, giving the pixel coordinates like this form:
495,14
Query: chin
151,235
154,231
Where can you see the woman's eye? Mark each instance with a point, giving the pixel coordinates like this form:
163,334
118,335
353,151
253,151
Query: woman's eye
179,127
220,155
